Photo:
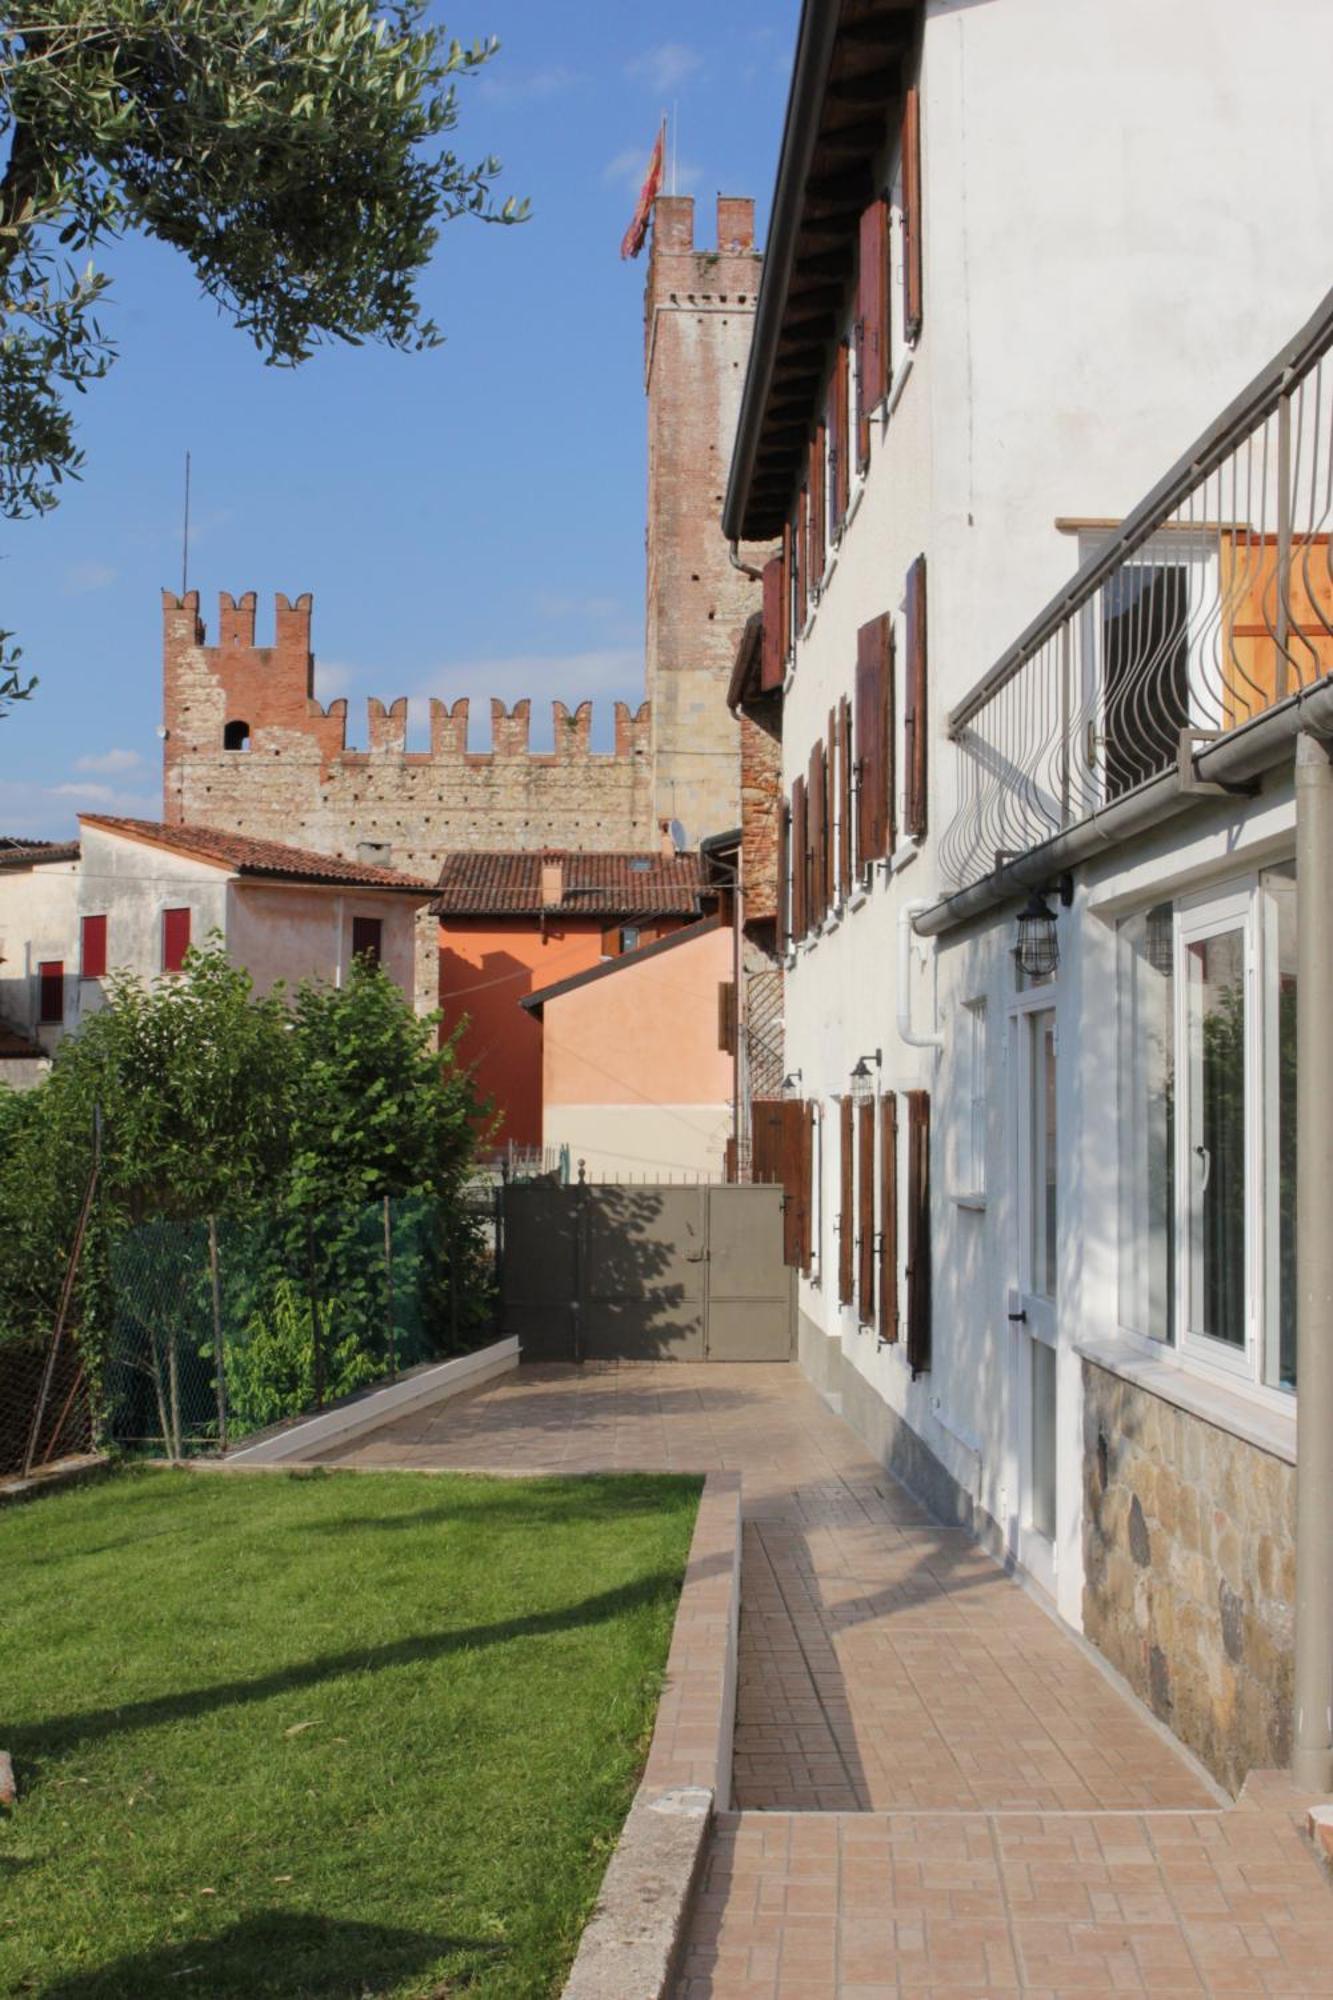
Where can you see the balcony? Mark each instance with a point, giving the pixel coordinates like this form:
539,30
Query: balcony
1163,667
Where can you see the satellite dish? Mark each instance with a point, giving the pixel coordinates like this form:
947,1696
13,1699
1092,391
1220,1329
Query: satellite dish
677,832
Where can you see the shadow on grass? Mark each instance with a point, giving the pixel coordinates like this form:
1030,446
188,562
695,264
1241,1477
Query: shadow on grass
587,1497
278,1955
59,1732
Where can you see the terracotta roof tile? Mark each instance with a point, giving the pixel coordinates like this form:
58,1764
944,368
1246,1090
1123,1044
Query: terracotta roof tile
616,885
271,858
16,851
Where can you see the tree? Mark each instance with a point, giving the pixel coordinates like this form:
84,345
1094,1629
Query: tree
293,150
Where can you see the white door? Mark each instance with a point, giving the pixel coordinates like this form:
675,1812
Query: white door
1032,1301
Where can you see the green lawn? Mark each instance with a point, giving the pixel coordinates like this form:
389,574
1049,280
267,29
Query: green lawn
337,1735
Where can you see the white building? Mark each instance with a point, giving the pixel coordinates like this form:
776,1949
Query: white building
134,895
1015,266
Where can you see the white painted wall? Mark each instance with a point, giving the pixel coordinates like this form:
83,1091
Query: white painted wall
641,1141
287,932
1124,218
36,923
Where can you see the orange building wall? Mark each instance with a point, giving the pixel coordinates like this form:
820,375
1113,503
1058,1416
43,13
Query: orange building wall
487,965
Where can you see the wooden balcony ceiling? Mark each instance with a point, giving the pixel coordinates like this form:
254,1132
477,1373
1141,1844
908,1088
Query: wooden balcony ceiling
853,119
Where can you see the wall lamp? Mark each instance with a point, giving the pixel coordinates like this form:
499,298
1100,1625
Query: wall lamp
791,1083
863,1079
1037,952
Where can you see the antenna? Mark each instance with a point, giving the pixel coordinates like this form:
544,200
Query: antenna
185,532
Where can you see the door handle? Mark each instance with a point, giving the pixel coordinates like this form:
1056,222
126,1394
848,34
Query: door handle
1019,1316
1206,1161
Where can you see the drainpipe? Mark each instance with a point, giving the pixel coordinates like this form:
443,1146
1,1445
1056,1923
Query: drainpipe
912,908
1312,1755
733,556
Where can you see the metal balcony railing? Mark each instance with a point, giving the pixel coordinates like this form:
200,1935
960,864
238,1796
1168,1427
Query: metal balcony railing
1209,605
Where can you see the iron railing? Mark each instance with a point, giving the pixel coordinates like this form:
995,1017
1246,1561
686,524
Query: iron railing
1211,603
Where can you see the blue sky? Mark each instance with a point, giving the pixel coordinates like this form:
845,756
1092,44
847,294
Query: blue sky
471,520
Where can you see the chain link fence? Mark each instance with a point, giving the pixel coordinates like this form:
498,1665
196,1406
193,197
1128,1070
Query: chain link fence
219,1327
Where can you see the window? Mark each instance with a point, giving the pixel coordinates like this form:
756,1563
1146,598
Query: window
367,937
236,736
1044,1240
175,939
916,720
972,1130
629,937
51,992
1207,1097
92,948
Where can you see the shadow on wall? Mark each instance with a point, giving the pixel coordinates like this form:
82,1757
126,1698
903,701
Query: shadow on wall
595,1273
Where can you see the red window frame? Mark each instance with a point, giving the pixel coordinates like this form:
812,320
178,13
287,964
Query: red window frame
175,939
92,948
51,992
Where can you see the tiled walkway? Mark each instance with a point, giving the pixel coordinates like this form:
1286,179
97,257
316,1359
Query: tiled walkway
941,1795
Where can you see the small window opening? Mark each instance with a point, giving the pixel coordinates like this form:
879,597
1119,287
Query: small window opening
236,736
367,937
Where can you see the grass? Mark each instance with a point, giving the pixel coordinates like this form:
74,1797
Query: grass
328,1736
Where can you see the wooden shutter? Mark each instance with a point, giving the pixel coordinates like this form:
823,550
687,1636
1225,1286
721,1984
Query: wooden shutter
772,653
872,322
92,954
865,1212
918,1230
814,796
788,582
830,776
175,939
784,876
845,795
807,1202
888,1217
51,992
912,302
726,1016
779,1129
801,596
846,1202
766,1140
840,468
800,862
818,508
874,740
916,717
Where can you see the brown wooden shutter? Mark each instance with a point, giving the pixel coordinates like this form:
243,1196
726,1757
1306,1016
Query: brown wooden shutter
830,776
818,509
807,1205
846,1202
918,1230
814,795
843,739
840,458
916,715
788,584
912,302
800,862
795,1208
726,1016
874,740
766,1140
872,322
888,1217
772,656
801,592
865,1212
784,876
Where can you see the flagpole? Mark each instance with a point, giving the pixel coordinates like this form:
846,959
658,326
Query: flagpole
675,120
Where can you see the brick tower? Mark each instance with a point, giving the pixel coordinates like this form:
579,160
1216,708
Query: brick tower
698,319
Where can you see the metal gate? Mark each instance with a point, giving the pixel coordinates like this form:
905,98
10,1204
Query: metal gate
647,1273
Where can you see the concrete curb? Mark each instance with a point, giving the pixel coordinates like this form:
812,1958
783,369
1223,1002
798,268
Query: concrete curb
65,1472
1319,1826
435,1383
630,1945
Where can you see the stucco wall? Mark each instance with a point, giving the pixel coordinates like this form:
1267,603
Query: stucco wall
288,933
131,883
37,922
1190,1560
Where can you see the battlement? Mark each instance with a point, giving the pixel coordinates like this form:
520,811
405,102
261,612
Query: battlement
249,746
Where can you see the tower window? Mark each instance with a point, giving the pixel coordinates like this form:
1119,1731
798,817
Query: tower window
236,736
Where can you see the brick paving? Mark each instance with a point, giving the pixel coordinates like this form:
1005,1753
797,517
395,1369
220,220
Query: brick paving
940,1794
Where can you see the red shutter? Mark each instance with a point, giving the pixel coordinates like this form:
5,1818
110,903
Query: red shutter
918,1230
865,1213
175,939
840,467
916,713
51,992
800,862
846,795
367,938
92,950
773,657
846,1202
888,1217
784,875
872,322
818,509
912,303
874,740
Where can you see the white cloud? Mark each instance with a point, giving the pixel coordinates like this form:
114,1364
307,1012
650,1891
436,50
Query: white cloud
47,812
665,68
602,675
138,805
109,761
526,87
333,678
82,577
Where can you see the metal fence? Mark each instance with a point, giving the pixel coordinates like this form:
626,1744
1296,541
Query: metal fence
1209,605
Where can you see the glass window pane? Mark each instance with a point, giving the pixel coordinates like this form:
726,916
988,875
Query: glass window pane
1215,974
1042,1495
1147,1123
1280,886
1042,1171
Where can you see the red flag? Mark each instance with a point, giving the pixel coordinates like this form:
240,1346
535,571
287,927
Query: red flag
633,239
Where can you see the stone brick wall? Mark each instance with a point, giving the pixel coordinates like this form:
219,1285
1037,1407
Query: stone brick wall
1189,1552
699,315
298,782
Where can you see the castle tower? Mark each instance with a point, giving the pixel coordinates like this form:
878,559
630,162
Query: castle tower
698,318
